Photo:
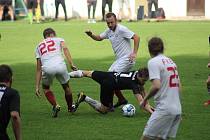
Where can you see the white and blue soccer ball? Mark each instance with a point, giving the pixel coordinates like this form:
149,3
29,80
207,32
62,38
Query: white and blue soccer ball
128,110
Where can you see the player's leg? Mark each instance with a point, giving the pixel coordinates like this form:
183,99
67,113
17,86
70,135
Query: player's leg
89,8
30,11
80,74
11,13
68,96
51,99
206,103
94,10
149,4
64,9
110,5
56,8
120,13
42,9
96,105
63,77
103,9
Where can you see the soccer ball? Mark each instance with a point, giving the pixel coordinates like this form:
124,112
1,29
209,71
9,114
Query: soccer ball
128,110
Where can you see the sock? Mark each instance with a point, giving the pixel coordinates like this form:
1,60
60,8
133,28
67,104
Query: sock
68,98
30,17
93,103
76,74
207,102
51,98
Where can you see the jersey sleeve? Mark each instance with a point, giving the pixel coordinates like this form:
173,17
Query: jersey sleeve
154,70
126,33
14,104
37,55
104,35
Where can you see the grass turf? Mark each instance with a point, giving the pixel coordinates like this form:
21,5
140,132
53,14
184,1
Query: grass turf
185,42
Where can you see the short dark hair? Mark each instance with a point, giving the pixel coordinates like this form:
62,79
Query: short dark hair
5,73
155,46
143,73
48,31
110,14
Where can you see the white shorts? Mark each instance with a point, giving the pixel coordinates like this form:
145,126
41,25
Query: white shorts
121,65
59,71
126,2
162,125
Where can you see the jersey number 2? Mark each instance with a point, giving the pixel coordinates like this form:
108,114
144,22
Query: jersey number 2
47,47
173,79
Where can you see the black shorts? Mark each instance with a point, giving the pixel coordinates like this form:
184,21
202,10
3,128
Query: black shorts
107,84
6,2
31,4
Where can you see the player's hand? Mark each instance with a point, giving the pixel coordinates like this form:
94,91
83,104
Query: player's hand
74,68
208,65
132,57
88,32
38,94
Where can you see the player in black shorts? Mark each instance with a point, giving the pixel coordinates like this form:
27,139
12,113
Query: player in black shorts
9,104
110,81
8,4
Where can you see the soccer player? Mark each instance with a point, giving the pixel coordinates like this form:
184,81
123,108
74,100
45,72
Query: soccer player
50,64
120,37
9,104
164,122
110,81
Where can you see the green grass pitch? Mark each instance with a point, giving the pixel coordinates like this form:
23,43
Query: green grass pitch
186,43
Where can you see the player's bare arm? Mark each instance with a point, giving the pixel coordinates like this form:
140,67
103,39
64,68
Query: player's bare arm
38,77
16,124
147,107
68,56
156,84
94,37
136,40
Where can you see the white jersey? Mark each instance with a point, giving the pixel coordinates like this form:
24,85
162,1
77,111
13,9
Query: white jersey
120,39
50,52
167,98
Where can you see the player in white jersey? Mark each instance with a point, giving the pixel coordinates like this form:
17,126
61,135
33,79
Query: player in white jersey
164,122
119,37
50,64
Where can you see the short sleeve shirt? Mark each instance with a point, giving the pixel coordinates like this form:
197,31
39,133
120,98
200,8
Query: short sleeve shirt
167,98
120,40
49,51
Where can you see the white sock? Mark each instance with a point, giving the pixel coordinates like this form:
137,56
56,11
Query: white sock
76,74
93,103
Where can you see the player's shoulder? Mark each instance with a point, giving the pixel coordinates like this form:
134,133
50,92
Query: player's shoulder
12,91
121,27
58,39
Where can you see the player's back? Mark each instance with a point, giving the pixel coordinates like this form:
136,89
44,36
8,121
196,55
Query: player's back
167,98
50,51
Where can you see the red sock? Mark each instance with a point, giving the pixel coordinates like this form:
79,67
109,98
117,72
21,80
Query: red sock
50,97
68,98
208,102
